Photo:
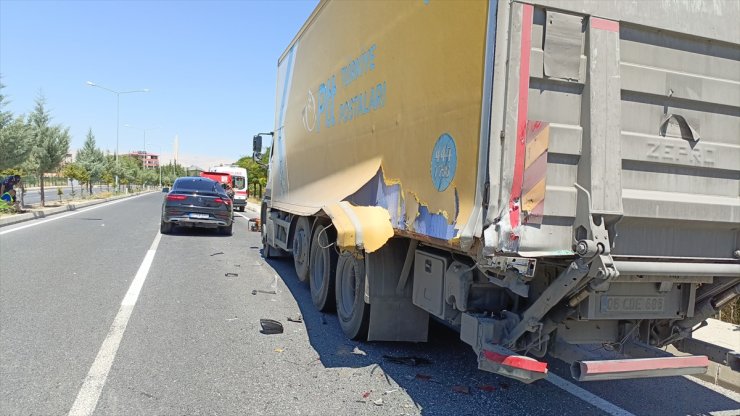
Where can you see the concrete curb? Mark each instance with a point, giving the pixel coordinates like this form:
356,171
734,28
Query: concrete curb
15,219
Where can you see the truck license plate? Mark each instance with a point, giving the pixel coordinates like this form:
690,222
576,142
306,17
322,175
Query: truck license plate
632,304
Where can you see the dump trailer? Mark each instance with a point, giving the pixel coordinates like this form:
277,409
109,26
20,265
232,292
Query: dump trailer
547,177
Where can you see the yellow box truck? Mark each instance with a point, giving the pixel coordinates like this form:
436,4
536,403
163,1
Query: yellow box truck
544,176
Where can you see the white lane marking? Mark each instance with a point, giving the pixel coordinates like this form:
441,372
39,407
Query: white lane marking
242,215
587,396
733,412
89,394
79,211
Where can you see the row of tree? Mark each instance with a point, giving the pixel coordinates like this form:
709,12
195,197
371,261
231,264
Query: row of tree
32,145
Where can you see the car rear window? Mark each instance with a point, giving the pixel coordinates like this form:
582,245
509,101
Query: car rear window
201,185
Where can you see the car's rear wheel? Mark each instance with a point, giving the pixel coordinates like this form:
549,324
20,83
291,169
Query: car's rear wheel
227,230
165,227
322,263
301,245
352,311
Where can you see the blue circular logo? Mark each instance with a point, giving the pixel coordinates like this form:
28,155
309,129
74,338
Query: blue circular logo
444,162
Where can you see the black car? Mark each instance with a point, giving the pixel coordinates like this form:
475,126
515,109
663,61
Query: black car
197,202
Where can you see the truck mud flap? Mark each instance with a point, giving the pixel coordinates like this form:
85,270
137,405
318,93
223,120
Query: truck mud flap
639,368
499,360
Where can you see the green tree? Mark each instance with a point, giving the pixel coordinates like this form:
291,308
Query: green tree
15,137
77,172
50,143
92,159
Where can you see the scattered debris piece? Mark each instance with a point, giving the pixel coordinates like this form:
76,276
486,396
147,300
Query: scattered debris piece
237,265
366,394
487,387
231,274
296,318
358,351
410,361
269,292
232,319
504,385
216,254
461,389
271,326
279,349
390,391
378,402
423,377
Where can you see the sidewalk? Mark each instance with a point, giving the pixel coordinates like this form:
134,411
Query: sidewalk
36,213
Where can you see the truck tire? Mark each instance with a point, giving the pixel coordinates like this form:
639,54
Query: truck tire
301,248
322,266
352,311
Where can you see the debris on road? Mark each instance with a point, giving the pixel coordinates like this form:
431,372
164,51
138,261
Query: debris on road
271,326
461,389
366,394
487,388
269,292
504,385
279,349
216,254
423,377
231,274
231,319
358,351
410,361
378,402
296,318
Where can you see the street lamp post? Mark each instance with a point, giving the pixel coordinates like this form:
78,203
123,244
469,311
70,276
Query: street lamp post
118,112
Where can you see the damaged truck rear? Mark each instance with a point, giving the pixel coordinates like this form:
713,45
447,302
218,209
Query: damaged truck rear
547,177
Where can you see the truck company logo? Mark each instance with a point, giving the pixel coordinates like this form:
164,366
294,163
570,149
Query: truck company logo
444,162
309,112
681,153
321,109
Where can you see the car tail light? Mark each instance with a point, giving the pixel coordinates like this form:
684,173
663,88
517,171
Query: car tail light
176,197
226,201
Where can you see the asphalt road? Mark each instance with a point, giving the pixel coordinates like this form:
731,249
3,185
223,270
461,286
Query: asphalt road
99,312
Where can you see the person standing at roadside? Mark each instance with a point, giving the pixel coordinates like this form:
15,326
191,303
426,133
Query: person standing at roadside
9,183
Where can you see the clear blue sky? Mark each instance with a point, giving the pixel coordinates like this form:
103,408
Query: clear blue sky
210,67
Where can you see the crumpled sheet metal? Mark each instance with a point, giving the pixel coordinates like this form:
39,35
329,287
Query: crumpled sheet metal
358,227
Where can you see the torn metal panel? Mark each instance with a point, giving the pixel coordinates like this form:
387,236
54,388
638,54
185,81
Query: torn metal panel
360,228
563,46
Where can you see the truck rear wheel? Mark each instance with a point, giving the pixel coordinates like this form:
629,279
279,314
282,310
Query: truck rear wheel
352,311
322,264
301,245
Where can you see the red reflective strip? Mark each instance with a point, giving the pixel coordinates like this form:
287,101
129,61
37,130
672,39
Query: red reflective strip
241,192
521,121
643,364
516,361
604,24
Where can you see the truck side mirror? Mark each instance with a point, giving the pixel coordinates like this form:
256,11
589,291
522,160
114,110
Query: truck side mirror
257,146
